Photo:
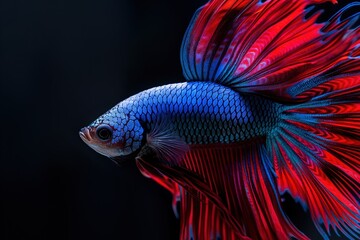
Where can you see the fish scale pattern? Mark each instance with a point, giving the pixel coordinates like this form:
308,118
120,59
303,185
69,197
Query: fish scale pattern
203,113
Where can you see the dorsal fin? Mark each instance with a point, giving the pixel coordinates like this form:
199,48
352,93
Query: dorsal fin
266,47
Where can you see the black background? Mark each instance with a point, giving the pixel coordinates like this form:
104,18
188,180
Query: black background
63,63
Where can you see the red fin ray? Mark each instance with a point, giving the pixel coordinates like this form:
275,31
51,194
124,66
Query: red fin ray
268,48
331,204
237,189
317,159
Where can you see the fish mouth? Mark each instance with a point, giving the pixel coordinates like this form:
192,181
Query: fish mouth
84,134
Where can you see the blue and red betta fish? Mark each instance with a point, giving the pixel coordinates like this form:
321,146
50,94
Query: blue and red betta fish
271,105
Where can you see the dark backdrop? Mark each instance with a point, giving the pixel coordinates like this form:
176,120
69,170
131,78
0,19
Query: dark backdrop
63,63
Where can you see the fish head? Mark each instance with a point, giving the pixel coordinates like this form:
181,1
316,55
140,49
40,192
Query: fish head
115,134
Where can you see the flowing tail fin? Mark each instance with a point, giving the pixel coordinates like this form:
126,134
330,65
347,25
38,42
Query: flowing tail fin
316,156
316,148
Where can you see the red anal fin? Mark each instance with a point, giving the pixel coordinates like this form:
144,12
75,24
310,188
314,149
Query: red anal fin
229,192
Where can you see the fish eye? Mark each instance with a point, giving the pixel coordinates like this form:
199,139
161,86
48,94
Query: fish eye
104,132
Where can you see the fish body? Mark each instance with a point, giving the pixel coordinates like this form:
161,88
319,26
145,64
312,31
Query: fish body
199,113
271,106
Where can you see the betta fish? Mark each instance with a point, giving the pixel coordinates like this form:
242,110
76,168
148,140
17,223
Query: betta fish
270,105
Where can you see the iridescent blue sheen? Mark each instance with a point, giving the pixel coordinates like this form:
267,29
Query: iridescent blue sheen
199,112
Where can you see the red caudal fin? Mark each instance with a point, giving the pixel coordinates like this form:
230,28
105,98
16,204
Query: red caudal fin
268,47
229,192
316,157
